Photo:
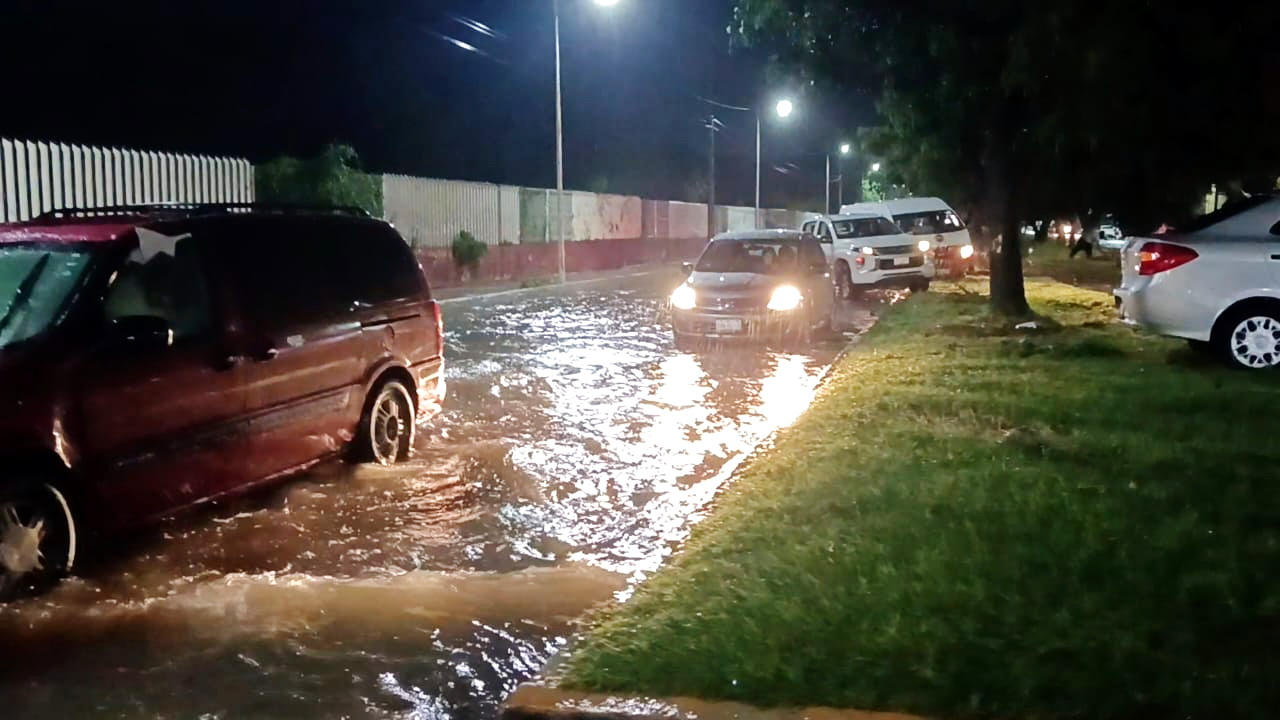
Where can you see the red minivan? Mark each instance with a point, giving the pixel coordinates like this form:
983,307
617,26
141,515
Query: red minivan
154,358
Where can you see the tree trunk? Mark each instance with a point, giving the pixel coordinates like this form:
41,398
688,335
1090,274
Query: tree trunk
1008,293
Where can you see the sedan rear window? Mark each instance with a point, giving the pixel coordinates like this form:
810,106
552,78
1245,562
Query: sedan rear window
1225,212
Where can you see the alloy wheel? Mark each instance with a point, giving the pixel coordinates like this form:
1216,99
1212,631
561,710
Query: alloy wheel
1255,342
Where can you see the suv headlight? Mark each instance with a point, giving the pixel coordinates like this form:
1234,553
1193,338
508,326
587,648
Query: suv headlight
924,245
684,298
785,298
966,252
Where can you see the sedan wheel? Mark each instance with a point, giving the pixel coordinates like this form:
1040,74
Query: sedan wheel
1255,342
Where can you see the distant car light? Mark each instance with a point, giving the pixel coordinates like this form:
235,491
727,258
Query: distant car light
684,298
1067,229
966,252
785,298
924,245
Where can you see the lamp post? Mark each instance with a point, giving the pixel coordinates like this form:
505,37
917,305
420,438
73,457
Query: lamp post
784,108
555,8
845,149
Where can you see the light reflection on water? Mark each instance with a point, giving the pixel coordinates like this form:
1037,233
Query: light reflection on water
576,448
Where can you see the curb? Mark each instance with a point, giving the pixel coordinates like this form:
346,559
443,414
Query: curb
538,702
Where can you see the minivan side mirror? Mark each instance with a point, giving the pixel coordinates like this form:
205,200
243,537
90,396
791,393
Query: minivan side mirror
140,332
687,268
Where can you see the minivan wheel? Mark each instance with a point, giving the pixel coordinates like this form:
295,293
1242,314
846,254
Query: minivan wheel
37,539
387,426
1252,339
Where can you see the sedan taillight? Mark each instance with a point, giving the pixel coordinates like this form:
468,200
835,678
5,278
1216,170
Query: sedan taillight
1158,257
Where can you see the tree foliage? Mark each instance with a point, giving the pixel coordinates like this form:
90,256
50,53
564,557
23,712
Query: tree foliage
1020,110
332,177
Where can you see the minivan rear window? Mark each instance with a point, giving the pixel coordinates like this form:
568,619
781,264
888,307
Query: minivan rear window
932,222
864,227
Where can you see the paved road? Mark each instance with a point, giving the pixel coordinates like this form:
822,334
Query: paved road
577,447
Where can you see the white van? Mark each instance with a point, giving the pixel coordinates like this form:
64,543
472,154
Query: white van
930,217
868,251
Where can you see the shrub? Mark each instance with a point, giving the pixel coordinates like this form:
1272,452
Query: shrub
467,251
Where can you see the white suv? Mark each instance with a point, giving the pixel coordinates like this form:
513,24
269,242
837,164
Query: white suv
868,251
1214,281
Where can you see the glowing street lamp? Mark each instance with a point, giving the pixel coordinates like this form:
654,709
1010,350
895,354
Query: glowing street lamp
875,167
785,108
845,149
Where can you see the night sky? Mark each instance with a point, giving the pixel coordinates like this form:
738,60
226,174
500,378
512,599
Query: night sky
261,78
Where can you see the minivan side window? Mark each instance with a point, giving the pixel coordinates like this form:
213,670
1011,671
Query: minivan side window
172,287
284,279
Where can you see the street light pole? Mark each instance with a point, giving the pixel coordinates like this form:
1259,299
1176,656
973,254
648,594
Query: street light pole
559,150
826,209
758,123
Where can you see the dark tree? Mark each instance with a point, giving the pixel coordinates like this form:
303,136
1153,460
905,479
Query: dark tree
1021,110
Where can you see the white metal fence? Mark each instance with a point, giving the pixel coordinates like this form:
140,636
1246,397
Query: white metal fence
36,177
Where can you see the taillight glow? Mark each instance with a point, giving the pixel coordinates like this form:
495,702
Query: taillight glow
1158,257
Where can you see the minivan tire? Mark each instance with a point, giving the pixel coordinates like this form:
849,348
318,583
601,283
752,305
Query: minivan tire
37,538
387,425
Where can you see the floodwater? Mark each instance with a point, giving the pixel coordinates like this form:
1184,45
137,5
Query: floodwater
577,448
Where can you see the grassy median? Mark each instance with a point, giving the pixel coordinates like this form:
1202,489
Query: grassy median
977,521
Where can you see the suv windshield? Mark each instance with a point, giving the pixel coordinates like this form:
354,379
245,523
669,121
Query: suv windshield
35,284
933,222
864,227
765,257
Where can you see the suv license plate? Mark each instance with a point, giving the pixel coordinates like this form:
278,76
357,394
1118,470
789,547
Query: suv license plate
902,261
733,325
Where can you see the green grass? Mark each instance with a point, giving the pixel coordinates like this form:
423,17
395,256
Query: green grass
972,521
1052,259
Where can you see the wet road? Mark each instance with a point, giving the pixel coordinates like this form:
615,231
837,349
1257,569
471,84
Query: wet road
577,447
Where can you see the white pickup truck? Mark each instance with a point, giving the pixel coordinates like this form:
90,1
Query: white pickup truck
868,251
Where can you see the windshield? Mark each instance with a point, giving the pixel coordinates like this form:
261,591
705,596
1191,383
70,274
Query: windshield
35,283
933,222
864,227
765,257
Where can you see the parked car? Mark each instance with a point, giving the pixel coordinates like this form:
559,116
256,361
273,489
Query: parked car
155,358
868,251
929,217
758,285
1110,236
1214,281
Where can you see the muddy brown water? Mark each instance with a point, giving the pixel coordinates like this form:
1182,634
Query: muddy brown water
577,448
